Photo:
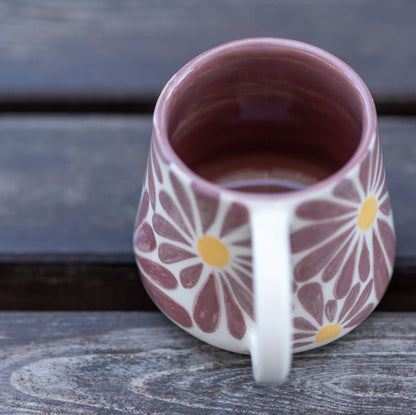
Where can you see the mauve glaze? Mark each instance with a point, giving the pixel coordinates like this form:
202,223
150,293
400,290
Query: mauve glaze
274,114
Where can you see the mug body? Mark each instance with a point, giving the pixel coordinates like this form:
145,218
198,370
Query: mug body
193,236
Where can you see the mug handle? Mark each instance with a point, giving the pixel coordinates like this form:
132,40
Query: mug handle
271,341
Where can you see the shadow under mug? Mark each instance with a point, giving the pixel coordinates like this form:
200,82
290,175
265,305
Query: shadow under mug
264,225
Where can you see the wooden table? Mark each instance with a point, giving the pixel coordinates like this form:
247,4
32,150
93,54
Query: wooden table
78,82
139,363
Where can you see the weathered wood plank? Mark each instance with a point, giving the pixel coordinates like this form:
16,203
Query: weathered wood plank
70,184
69,188
126,50
139,363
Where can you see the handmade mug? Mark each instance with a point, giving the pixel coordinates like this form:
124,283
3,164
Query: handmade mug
264,225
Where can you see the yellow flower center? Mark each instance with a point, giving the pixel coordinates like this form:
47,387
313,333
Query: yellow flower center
213,251
327,332
367,213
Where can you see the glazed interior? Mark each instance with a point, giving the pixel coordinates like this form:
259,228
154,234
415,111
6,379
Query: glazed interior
258,107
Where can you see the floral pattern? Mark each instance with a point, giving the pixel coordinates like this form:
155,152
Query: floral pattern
186,240
343,255
194,251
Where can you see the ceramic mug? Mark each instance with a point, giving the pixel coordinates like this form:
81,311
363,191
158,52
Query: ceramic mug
264,224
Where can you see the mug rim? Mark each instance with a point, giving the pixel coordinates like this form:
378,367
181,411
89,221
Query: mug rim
367,110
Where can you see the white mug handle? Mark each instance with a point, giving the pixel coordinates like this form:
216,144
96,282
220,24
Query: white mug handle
271,341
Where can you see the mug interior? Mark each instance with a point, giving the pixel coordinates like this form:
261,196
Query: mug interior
265,107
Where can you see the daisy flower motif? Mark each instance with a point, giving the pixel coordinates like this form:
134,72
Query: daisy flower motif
192,242
331,318
343,255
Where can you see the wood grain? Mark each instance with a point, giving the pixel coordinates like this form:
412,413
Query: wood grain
139,363
106,50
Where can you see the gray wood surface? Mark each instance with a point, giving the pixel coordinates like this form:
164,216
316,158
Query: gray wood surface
139,363
126,50
70,184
